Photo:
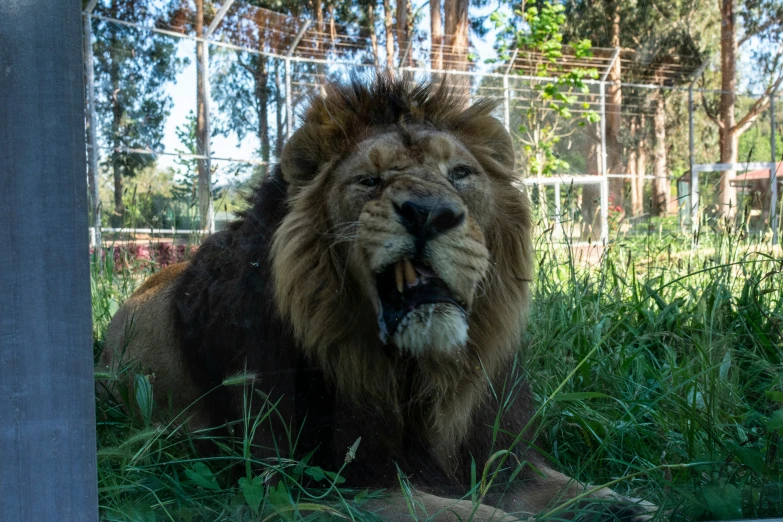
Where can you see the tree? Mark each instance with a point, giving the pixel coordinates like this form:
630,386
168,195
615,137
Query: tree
403,10
547,115
131,72
741,23
436,36
601,21
205,210
369,8
652,36
246,86
389,31
457,33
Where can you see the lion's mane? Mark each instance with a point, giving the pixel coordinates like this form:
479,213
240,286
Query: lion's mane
311,288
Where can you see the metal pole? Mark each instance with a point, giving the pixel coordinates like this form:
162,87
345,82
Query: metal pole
91,121
407,52
605,179
208,133
506,104
557,208
605,154
48,465
694,174
773,177
507,91
289,110
218,18
695,191
289,106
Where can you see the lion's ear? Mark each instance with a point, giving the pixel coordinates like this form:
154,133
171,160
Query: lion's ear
303,154
492,135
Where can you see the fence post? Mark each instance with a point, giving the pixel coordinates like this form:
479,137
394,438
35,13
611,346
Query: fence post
48,467
289,107
695,193
558,211
605,154
604,178
507,92
506,104
773,176
694,175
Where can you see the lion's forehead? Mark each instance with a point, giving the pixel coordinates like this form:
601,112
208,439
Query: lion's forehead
405,150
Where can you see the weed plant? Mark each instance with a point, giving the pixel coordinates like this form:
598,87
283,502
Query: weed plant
657,370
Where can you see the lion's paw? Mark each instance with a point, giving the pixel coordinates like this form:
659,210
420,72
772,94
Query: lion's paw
611,506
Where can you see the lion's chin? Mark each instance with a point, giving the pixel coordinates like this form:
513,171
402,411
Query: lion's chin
428,329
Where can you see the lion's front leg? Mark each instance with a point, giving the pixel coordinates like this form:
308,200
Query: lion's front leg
424,506
553,494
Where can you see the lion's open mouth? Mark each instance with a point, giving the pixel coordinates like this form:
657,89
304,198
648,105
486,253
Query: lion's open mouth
406,286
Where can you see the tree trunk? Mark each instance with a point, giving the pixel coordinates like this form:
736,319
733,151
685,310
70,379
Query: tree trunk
614,101
402,30
117,219
436,30
91,120
728,137
376,57
661,187
641,160
332,25
456,12
320,69
387,17
202,125
636,201
262,97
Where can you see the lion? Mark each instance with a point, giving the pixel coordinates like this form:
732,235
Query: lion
376,290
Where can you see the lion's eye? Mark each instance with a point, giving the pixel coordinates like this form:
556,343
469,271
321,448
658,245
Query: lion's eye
370,181
460,172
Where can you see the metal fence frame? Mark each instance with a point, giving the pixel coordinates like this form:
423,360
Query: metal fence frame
288,57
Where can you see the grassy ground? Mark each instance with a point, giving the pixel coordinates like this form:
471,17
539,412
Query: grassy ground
657,371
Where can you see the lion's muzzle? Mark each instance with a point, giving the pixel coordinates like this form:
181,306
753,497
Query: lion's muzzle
430,260
425,218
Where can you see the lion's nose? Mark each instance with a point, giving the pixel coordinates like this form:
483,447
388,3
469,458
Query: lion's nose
427,219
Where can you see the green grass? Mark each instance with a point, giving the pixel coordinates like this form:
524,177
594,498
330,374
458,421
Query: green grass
657,370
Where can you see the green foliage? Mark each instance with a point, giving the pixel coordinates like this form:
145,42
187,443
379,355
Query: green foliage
548,115
132,69
657,369
679,361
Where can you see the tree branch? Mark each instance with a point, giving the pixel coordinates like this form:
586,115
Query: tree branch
760,29
709,114
759,106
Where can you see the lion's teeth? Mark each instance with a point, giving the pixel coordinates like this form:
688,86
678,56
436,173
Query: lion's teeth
410,274
398,277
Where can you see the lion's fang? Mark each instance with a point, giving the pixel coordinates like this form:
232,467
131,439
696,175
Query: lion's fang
398,277
410,274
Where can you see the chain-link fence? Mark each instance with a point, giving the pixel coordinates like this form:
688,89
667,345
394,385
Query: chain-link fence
632,158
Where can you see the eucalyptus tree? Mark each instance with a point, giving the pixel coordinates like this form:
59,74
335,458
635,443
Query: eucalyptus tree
754,27
132,69
551,107
249,87
651,35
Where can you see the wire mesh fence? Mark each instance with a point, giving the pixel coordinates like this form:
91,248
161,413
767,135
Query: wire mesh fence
627,171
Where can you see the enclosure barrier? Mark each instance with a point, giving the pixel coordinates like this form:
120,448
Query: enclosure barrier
296,41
